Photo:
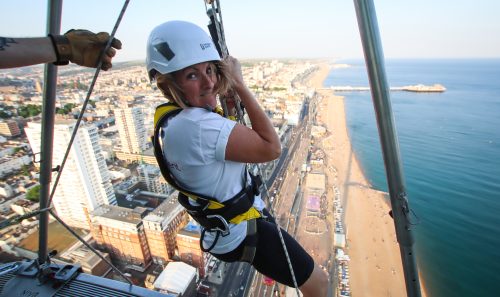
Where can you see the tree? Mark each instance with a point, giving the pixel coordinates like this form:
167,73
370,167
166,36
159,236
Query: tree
25,170
33,194
66,108
5,115
29,110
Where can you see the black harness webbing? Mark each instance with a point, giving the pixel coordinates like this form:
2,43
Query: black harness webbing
211,214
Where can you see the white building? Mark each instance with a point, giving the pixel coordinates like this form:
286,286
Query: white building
130,123
178,279
85,183
151,176
6,190
13,163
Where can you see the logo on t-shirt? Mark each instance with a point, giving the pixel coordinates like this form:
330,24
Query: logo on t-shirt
174,166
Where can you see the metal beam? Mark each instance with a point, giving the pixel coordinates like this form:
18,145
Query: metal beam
54,10
374,59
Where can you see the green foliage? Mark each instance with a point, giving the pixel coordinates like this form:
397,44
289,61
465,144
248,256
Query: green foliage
4,115
66,109
279,89
34,194
25,170
29,110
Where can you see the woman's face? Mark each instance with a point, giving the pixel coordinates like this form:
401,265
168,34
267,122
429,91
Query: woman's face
197,84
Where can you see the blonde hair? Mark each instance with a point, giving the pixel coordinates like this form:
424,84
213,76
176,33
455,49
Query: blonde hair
173,92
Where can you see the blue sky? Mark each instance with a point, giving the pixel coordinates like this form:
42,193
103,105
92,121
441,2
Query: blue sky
284,28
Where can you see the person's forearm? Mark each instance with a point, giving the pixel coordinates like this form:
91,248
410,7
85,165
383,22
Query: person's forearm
258,118
18,52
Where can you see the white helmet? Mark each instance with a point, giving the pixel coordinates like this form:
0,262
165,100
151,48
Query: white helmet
176,45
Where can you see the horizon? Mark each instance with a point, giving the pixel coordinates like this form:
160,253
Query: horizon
278,30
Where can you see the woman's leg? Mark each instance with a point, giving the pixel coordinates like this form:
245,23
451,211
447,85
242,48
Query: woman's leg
271,261
316,285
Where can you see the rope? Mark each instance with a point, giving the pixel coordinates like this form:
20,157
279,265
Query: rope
73,135
19,218
87,99
222,43
89,246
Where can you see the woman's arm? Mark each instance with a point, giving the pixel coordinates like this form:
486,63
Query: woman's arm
259,143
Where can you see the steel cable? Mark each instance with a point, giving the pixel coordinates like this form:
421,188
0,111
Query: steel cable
221,40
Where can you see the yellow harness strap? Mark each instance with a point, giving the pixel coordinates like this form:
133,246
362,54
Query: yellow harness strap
252,213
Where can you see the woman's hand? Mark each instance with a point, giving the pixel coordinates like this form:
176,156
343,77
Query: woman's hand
230,101
235,71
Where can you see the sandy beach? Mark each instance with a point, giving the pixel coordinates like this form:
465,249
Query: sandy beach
375,266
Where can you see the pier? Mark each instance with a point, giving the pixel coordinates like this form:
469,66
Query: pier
436,88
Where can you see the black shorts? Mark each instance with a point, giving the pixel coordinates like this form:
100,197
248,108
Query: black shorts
270,258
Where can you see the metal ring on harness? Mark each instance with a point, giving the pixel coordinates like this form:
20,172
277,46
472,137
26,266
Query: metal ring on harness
224,222
218,231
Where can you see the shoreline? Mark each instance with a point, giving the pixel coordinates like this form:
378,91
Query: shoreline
371,244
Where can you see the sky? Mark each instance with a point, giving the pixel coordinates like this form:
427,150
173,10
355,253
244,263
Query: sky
283,28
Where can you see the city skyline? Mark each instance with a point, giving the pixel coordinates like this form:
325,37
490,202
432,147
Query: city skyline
258,29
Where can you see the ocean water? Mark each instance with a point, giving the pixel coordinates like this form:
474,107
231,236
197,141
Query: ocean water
450,148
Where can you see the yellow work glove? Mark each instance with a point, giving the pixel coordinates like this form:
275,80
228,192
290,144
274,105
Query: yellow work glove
84,47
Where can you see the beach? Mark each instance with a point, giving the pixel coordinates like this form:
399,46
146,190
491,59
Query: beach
375,262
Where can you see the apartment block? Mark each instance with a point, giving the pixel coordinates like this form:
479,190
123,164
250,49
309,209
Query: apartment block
161,227
120,232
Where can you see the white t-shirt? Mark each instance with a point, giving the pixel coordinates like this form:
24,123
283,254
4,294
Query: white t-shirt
194,145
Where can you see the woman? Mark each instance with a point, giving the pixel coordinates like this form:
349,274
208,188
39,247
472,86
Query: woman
206,153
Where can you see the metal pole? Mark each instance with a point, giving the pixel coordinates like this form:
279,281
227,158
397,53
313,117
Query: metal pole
374,59
48,113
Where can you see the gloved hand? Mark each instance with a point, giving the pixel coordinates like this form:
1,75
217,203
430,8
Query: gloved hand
86,47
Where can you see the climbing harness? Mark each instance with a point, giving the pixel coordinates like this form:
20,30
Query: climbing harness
212,215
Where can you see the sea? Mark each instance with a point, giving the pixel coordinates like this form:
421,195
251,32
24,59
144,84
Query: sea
450,150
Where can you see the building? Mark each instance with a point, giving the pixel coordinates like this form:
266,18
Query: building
316,182
9,128
318,131
120,232
23,206
136,157
161,227
150,176
85,183
188,243
178,279
10,164
6,190
87,259
130,123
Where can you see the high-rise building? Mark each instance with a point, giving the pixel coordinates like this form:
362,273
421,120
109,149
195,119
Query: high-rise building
150,176
120,232
130,123
161,227
85,183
